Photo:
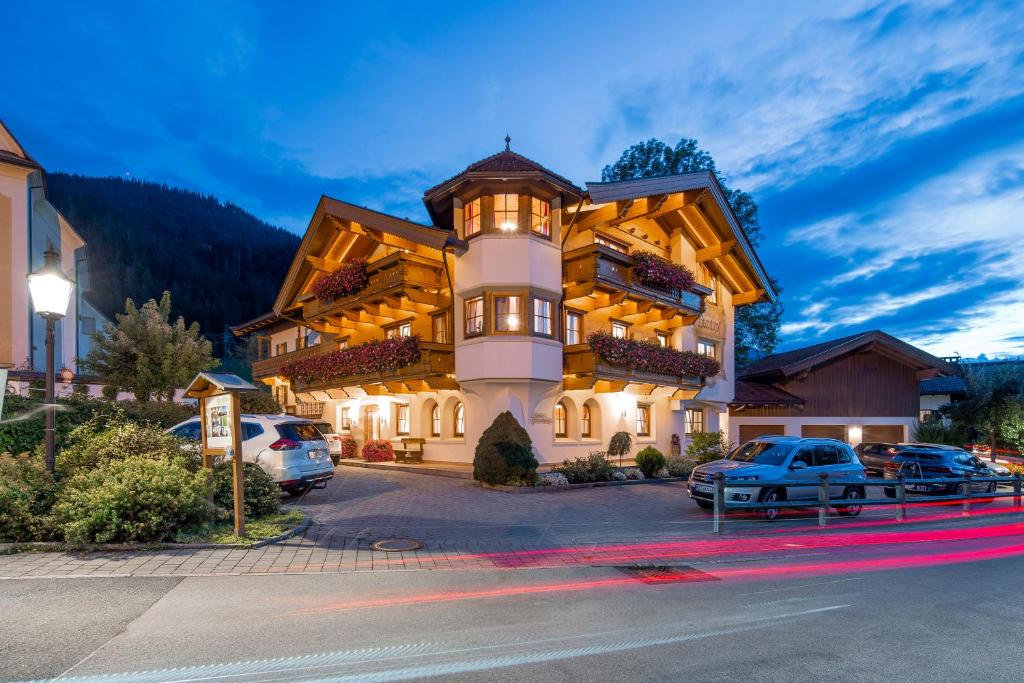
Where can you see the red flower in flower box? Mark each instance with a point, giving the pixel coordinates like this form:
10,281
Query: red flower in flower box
659,273
644,356
374,357
345,281
378,450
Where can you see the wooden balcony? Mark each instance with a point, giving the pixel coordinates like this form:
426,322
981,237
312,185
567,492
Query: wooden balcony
401,281
270,367
598,269
583,369
431,373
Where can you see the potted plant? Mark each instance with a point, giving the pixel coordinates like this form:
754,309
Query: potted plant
676,445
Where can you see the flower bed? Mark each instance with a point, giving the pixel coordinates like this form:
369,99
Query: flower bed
644,356
382,355
378,450
348,447
345,281
656,272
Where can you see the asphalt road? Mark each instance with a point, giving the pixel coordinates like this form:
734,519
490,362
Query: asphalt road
925,608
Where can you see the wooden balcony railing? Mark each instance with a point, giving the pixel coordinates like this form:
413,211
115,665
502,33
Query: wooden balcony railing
430,373
418,277
583,368
597,266
268,367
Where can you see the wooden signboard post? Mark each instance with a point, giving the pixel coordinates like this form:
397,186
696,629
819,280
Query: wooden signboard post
220,415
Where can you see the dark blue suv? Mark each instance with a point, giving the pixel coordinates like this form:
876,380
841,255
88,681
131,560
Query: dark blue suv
921,462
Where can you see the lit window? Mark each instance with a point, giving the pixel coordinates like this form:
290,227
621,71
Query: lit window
663,338
694,420
403,330
507,313
346,419
619,330
440,325
343,343
643,420
585,422
706,348
540,217
460,420
506,212
609,242
474,316
561,429
281,348
542,316
471,215
402,419
435,420
573,327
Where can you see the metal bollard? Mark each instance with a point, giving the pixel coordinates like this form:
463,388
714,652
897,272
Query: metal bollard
965,508
823,499
901,498
1016,489
719,504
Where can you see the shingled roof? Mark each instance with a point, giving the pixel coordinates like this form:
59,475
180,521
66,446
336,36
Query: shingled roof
789,363
505,162
940,386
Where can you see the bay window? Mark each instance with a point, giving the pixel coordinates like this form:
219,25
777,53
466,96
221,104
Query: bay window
542,316
472,217
474,316
506,212
540,217
508,313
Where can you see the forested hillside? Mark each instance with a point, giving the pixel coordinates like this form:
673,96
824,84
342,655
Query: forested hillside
221,264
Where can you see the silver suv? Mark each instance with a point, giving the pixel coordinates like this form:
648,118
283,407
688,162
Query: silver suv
782,459
289,449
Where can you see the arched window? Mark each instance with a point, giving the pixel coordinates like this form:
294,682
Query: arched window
585,422
460,420
435,420
561,429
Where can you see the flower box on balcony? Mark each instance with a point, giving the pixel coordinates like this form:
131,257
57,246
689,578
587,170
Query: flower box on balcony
378,356
345,281
643,356
656,272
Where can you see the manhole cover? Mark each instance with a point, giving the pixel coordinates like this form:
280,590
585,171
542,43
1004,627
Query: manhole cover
396,545
654,574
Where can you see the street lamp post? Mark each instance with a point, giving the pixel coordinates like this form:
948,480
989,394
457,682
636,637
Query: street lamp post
51,292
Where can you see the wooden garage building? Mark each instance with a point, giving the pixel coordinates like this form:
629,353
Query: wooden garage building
864,387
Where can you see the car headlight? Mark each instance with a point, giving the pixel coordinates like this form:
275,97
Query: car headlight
750,478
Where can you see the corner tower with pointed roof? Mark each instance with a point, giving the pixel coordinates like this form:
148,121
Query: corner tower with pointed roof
583,312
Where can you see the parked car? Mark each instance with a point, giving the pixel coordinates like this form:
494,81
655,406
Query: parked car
874,455
289,449
333,438
937,462
782,459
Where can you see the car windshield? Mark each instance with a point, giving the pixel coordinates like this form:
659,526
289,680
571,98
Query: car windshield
924,457
762,452
324,427
299,431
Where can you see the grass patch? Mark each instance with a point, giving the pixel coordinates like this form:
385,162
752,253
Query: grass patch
255,529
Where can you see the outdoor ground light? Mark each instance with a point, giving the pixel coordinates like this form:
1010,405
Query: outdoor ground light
50,289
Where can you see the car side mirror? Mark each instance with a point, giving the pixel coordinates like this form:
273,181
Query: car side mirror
798,465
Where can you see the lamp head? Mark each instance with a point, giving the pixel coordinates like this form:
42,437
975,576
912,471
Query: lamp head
50,288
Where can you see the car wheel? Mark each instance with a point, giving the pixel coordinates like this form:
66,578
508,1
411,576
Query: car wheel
851,494
703,504
890,492
771,496
991,487
960,489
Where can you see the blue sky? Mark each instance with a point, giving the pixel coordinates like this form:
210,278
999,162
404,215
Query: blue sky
884,141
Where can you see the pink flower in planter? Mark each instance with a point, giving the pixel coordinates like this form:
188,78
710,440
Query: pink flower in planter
374,357
345,281
644,356
378,450
658,273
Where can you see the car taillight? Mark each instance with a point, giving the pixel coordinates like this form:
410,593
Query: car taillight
890,465
285,445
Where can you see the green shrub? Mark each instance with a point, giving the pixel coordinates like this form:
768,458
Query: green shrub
26,495
101,440
110,392
620,445
678,466
130,500
504,451
378,450
593,467
262,494
259,403
937,431
650,461
707,446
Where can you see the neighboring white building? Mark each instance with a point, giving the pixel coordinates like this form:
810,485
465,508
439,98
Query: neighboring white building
29,225
502,292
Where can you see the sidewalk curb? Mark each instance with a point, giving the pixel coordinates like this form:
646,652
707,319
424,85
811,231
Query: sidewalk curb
585,485
53,547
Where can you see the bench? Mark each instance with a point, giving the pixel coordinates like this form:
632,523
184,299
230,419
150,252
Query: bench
411,450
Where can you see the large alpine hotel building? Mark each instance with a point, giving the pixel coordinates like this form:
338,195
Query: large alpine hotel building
390,329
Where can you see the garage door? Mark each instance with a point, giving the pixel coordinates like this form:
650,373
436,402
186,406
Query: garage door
882,433
824,431
748,432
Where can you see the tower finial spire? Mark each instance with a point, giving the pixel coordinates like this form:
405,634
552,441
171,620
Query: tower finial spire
508,141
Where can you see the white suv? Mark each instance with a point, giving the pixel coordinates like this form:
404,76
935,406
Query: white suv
289,449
